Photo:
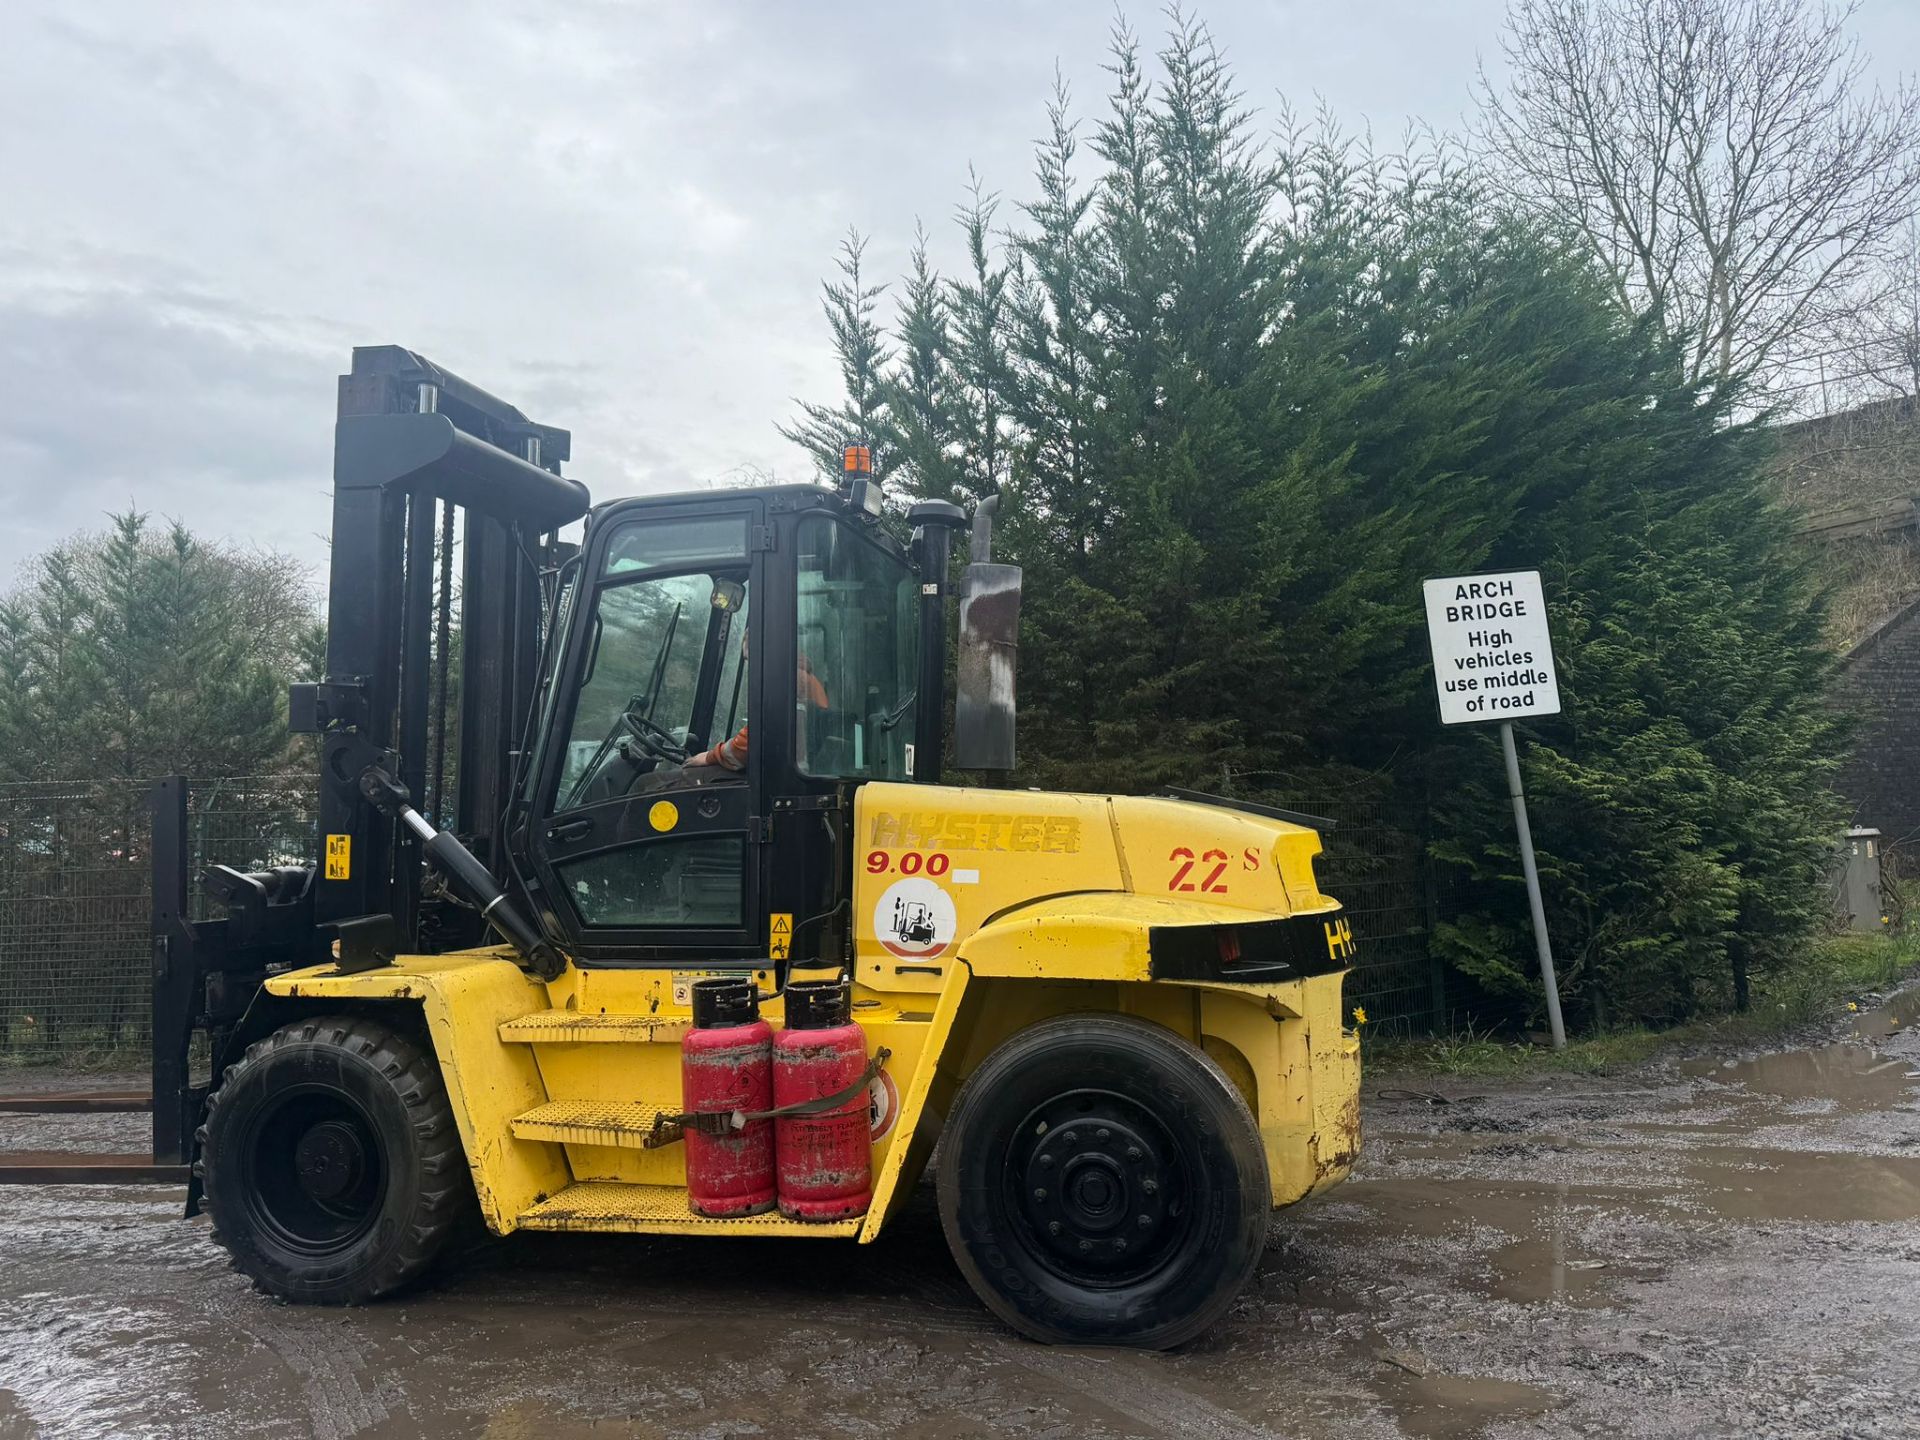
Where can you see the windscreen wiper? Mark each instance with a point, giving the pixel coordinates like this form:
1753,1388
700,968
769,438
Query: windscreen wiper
651,698
659,676
899,712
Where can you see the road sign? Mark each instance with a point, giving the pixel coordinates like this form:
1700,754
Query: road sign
1492,656
1493,660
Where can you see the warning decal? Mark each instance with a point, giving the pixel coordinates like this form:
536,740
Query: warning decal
780,934
883,1105
915,919
339,857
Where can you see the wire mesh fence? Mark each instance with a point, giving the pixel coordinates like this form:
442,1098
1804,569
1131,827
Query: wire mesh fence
76,900
253,823
1374,862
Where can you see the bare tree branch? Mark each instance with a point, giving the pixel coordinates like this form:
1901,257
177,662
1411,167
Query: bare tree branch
1722,159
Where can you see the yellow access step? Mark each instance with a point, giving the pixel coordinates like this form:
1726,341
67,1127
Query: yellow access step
577,1027
659,1210
587,1122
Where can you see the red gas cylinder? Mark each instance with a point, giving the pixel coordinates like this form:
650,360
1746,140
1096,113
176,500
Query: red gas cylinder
726,1064
825,1158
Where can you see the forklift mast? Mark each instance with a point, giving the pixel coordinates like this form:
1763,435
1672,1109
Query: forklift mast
419,455
414,444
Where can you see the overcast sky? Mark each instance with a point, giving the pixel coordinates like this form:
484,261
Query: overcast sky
615,215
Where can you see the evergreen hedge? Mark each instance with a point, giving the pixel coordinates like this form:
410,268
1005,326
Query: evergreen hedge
1244,391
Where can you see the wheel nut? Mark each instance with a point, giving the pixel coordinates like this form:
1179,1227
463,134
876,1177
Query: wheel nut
1046,1159
1085,1245
1150,1186
1053,1227
1119,1242
1133,1152
1103,1133
1040,1192
1071,1138
1146,1222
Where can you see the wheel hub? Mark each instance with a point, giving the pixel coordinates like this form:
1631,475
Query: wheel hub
1096,1192
330,1159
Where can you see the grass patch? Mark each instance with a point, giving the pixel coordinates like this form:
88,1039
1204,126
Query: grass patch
1836,971
82,1059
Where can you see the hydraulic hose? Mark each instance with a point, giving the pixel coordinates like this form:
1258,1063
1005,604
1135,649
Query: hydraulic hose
467,873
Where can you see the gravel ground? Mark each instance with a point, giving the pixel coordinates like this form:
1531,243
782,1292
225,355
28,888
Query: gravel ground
1715,1247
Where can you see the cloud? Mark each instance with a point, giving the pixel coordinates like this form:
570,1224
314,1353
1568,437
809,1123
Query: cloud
614,215
165,402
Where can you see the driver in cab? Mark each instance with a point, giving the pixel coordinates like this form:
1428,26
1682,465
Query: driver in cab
732,754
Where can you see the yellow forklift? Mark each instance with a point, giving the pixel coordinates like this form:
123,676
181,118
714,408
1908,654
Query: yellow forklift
704,746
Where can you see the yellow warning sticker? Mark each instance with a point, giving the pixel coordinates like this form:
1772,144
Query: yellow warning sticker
339,857
780,934
664,815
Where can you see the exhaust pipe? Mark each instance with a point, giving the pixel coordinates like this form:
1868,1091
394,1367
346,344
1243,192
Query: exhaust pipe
984,715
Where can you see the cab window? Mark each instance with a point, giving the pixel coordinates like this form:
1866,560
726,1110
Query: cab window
663,666
858,655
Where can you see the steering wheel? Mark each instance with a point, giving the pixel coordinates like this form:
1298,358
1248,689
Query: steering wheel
656,740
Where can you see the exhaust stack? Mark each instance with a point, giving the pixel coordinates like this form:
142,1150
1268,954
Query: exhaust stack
983,726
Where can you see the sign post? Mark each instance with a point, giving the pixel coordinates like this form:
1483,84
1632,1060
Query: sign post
1493,660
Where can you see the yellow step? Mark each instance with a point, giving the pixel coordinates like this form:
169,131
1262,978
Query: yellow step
576,1027
587,1122
659,1210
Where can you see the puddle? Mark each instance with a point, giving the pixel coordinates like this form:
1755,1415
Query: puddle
1560,1243
528,1420
1441,1407
14,1419
1558,1268
1900,1013
1850,1075
1747,1184
1523,1237
1434,1209
89,1134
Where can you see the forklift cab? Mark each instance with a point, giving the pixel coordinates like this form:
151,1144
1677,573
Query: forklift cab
782,619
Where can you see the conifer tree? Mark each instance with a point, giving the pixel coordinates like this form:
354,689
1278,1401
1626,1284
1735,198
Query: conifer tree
852,310
1244,396
136,654
978,304
921,401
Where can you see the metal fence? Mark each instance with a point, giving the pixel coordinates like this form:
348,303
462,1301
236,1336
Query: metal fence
1374,862
76,897
76,901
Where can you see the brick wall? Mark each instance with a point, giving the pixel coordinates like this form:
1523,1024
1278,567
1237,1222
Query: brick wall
1880,681
1858,456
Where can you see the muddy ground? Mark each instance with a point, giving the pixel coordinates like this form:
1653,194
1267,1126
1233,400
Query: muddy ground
1710,1247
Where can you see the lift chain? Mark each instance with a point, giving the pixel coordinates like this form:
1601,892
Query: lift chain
670,1129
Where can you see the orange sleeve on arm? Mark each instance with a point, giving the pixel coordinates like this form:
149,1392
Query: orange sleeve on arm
730,754
807,685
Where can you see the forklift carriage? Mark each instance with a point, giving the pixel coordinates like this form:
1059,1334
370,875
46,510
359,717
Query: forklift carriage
707,742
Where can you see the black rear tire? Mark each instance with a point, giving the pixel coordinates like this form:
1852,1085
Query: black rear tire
1102,1182
332,1167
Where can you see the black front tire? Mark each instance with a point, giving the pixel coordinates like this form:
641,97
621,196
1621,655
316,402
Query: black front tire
1103,1182
332,1167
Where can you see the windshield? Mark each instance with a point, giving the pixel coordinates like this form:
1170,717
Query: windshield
859,655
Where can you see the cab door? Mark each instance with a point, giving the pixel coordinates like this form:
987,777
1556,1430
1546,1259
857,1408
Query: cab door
643,857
